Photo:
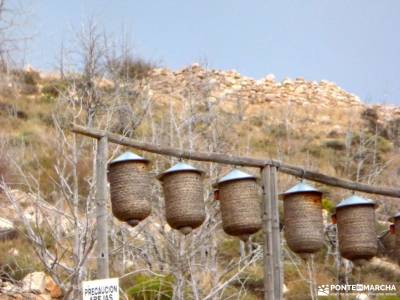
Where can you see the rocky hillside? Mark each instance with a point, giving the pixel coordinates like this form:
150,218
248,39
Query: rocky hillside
323,97
317,125
290,120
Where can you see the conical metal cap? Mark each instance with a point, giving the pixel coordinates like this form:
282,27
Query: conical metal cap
128,156
396,216
301,187
235,175
179,167
355,200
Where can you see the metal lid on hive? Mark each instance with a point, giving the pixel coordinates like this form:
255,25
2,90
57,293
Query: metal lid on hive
396,216
128,156
235,175
355,200
301,187
179,167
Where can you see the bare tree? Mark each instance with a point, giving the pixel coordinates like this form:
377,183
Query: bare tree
12,15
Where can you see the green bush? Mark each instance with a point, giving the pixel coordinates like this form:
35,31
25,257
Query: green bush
151,288
384,145
47,99
54,88
335,144
17,260
279,130
131,68
256,121
313,150
328,205
30,77
230,248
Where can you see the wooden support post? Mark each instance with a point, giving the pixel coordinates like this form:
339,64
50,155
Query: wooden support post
101,208
267,234
276,236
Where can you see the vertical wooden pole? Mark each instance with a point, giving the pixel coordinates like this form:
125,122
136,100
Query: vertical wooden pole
101,208
267,234
276,236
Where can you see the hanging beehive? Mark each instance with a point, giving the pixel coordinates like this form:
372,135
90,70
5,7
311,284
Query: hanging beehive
304,227
130,187
396,230
239,203
333,218
356,229
392,229
184,200
387,243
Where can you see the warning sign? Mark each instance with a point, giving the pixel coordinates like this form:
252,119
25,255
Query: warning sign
103,289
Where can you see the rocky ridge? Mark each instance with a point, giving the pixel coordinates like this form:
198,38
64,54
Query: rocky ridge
231,85
264,90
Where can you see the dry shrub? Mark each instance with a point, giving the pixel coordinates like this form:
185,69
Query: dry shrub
17,260
27,81
131,68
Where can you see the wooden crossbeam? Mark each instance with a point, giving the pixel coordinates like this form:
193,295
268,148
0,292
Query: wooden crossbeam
239,161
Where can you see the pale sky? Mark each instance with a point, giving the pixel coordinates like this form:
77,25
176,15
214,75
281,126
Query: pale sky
353,43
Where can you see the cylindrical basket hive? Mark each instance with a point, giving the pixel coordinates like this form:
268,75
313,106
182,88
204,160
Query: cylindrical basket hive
240,204
184,200
356,229
304,227
396,221
392,229
130,187
387,244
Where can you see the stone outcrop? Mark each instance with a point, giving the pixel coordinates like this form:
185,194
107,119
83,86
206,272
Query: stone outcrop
229,86
34,286
7,230
232,84
34,282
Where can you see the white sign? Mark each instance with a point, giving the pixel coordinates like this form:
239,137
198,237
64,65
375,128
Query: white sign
103,289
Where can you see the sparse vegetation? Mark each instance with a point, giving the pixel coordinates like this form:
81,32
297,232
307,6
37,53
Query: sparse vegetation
33,129
328,205
335,144
151,288
129,68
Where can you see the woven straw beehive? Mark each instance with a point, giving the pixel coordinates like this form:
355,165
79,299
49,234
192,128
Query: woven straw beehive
130,187
356,229
304,227
184,200
387,244
239,203
392,229
396,220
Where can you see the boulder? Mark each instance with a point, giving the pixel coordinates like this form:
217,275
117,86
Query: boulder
52,288
285,289
42,297
34,282
6,224
7,230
